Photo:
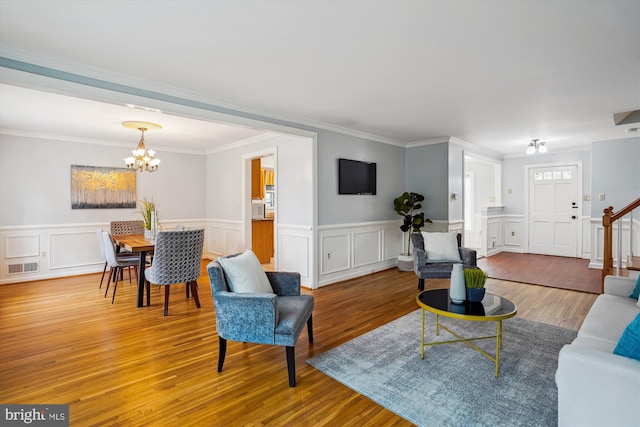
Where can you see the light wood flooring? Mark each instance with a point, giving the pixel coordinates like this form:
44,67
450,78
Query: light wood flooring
63,342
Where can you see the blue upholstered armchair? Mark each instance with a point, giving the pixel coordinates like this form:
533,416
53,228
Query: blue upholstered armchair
426,268
276,318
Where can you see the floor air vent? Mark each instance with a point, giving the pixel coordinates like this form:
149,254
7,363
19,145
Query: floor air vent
27,267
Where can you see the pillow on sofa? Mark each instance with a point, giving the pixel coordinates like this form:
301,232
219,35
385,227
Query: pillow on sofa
636,290
245,274
441,247
629,344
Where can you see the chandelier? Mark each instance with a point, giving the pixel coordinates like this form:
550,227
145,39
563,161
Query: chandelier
536,147
142,159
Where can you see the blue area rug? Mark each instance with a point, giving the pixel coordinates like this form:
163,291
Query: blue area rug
454,385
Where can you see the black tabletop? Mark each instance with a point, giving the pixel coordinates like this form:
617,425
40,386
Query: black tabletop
491,307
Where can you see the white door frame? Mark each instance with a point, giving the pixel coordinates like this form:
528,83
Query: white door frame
527,218
247,217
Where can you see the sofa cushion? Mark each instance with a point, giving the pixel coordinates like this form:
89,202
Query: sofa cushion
594,344
441,247
629,344
608,317
245,274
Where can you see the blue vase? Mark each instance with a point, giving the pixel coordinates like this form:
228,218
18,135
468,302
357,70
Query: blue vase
475,294
457,287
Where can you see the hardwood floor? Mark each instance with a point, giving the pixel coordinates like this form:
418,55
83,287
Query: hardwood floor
63,342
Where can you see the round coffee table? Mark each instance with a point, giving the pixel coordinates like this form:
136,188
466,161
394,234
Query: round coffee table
491,309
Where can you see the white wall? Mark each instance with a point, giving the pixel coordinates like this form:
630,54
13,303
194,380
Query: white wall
37,224
228,195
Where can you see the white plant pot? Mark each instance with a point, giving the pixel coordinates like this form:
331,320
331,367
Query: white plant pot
405,262
148,234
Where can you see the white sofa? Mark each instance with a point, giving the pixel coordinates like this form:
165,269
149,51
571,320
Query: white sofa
595,386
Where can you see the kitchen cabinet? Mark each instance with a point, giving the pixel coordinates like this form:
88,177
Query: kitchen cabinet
262,239
256,187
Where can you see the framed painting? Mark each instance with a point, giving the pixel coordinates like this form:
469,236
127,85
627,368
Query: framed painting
94,187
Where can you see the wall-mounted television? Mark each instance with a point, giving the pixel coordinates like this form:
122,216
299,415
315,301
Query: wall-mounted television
356,177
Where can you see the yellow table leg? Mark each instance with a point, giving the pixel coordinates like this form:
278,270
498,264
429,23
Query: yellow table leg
498,344
422,346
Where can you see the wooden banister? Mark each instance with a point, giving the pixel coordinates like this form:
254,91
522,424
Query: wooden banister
608,219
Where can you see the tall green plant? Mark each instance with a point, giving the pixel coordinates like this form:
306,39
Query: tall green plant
406,205
145,209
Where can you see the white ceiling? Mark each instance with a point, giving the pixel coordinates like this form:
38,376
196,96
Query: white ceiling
495,73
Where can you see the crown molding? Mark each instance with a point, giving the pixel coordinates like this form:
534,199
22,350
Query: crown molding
92,141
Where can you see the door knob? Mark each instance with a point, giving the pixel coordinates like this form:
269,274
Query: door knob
573,217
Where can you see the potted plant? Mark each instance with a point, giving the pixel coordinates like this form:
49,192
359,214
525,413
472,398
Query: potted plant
149,216
406,205
474,280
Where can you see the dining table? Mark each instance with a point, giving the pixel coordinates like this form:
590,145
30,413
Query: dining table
137,243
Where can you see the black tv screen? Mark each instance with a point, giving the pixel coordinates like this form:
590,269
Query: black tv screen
356,177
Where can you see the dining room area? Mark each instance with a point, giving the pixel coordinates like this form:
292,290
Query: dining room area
162,257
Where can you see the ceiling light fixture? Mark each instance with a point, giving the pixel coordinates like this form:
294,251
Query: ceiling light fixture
142,159
536,147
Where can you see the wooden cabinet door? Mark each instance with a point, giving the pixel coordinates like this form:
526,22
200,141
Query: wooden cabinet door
262,240
256,191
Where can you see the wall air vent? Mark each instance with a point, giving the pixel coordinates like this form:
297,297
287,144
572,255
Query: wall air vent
27,267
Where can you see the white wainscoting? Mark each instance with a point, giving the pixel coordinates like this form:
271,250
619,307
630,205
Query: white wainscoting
596,237
353,250
295,251
29,253
224,238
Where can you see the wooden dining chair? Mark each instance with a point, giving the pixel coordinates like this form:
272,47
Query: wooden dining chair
177,259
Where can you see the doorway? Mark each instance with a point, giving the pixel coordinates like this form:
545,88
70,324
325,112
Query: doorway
263,209
554,209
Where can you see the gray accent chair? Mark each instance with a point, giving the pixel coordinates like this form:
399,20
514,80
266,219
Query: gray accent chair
261,318
177,259
426,269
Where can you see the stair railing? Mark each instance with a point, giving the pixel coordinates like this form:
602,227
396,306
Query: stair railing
608,219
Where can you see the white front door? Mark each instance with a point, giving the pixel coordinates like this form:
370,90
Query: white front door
554,210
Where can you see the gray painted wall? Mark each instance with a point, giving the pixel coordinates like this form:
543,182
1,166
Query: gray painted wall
615,173
39,193
334,208
428,174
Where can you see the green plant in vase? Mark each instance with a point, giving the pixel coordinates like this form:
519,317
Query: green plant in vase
149,214
474,281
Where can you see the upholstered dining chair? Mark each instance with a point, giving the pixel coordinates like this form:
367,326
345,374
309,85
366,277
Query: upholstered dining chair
435,253
124,257
177,259
117,263
260,307
127,227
